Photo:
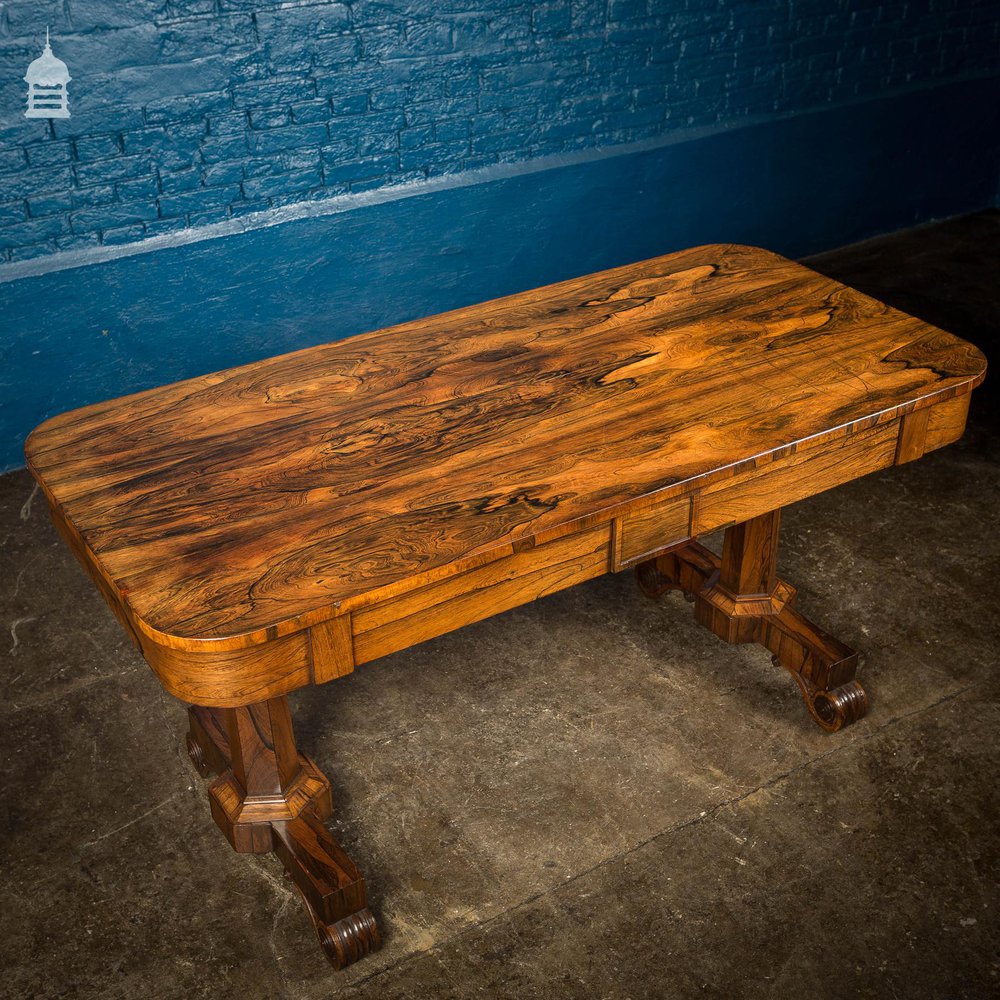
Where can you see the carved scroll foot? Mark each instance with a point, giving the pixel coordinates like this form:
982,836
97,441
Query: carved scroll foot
269,797
740,599
833,709
346,941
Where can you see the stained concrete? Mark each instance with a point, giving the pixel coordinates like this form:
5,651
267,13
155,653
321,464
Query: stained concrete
586,797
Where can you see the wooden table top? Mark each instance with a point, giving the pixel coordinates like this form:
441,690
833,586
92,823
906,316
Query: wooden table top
253,502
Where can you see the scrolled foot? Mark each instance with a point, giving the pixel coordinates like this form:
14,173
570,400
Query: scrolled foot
836,708
348,940
197,755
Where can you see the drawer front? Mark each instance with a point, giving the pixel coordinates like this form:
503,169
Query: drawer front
946,422
794,477
448,604
644,534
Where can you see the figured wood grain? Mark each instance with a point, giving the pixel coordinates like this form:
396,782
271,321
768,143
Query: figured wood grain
912,439
238,510
946,422
468,597
646,531
793,476
332,648
268,796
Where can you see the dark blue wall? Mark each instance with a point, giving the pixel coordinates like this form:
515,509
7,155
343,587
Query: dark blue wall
431,155
187,112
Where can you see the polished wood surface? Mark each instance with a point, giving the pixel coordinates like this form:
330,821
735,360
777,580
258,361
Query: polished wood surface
238,507
268,797
741,599
275,525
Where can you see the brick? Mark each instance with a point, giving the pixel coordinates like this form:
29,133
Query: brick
269,117
428,38
311,111
285,26
473,33
24,184
624,10
389,98
120,168
143,140
270,187
37,250
384,42
226,147
514,97
97,147
224,35
338,149
142,189
33,231
414,138
377,91
265,166
462,86
223,173
552,18
209,217
360,169
100,194
273,91
13,211
12,159
277,140
376,143
185,107
444,156
512,27
397,178
247,207
498,141
335,51
349,104
48,204
234,123
96,118
77,241
181,181
112,216
160,226
430,112
44,154
103,14
199,201
302,159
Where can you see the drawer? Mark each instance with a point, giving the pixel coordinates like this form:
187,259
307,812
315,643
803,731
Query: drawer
946,422
794,477
649,531
399,622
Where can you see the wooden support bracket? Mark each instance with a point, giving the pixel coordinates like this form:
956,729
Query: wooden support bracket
270,797
740,598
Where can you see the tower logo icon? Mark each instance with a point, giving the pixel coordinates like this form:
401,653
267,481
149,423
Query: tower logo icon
47,78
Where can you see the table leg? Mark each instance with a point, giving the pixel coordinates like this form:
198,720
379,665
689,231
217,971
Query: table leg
270,797
740,598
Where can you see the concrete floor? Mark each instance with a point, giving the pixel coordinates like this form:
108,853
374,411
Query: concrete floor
586,797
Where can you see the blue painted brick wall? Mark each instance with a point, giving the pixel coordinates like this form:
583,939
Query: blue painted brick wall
187,112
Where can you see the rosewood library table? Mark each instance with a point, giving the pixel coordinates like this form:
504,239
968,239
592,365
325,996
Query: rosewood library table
277,524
